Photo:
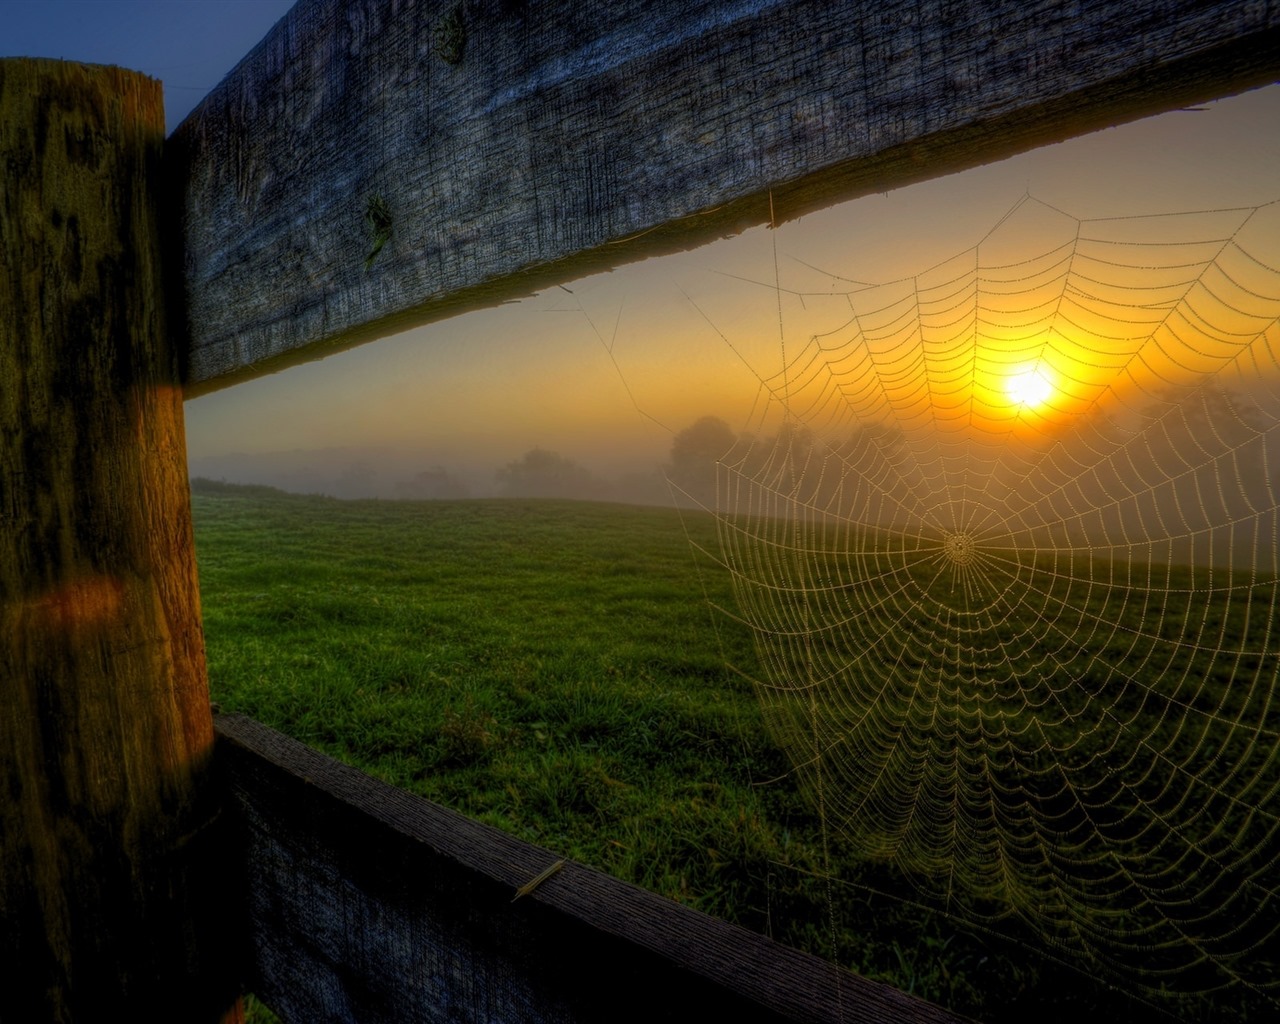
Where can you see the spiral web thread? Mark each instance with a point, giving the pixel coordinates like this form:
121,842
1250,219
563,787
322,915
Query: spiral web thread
1023,637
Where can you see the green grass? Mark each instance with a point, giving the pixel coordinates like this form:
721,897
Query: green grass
545,667
552,668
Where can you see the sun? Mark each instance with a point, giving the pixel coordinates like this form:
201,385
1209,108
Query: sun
1029,388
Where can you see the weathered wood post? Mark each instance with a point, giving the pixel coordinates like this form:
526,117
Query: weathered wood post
106,814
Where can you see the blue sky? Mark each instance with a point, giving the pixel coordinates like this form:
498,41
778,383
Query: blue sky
188,44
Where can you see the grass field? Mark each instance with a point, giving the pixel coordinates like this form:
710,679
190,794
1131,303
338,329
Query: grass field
552,668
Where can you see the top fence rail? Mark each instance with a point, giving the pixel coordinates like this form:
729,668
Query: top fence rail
370,166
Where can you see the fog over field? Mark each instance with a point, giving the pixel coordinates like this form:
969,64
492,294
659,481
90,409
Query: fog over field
432,473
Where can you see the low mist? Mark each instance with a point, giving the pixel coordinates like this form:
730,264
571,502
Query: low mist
425,475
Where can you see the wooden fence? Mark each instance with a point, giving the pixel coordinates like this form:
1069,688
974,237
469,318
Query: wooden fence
374,164
366,903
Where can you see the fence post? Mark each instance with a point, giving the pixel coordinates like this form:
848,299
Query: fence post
108,902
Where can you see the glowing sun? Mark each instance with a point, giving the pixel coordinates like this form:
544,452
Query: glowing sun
1029,388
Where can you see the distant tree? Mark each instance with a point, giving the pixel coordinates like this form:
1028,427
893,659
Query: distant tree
694,454
544,474
356,480
1192,465
1185,430
433,484
867,477
792,462
1199,463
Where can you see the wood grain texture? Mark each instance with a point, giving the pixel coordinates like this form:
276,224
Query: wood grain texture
105,730
565,137
368,903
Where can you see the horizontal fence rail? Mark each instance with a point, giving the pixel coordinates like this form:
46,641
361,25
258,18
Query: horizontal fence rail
370,166
369,904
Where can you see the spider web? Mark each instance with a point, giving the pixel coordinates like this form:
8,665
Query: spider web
1005,533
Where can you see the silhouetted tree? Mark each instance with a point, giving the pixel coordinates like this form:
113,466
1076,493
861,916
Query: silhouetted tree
1190,481
787,465
868,477
543,474
436,483
694,454
1080,484
356,480
1200,464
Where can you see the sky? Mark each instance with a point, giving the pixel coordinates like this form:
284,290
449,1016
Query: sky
609,369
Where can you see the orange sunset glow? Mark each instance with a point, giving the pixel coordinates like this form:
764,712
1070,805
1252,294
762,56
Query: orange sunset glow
1030,388
951,309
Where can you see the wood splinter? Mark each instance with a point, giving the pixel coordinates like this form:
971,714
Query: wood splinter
537,880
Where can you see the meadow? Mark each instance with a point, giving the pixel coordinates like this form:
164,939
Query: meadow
554,669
